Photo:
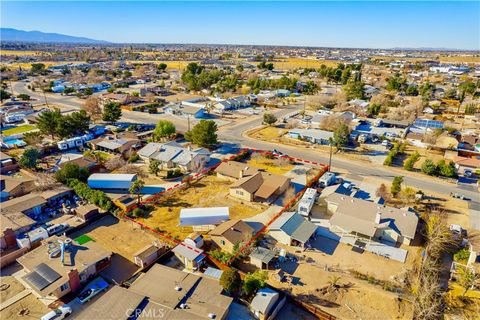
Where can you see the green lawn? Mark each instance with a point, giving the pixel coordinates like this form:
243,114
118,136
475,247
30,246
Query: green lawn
83,239
19,129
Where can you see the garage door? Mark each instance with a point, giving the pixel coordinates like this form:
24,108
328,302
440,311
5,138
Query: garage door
324,232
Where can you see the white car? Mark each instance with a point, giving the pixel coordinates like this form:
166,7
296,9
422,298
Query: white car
58,314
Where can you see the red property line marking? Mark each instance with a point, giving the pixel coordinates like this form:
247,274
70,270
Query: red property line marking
197,176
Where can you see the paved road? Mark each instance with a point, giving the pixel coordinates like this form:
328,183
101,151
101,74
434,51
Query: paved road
234,134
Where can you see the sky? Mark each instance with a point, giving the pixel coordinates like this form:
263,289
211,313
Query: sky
357,24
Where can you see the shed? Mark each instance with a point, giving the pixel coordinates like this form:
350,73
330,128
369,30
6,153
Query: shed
292,229
203,219
87,212
190,256
111,181
261,257
148,255
263,302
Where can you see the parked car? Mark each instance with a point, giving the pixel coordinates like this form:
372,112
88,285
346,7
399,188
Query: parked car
93,288
457,195
468,173
58,314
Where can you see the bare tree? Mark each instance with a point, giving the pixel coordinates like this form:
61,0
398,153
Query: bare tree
93,108
115,163
45,181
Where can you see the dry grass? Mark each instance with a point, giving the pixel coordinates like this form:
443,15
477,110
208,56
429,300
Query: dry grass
177,65
209,191
295,63
277,166
28,65
269,133
22,53
467,59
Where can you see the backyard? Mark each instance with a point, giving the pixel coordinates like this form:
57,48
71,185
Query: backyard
122,237
209,191
18,130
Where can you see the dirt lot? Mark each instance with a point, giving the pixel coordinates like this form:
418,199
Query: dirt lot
209,191
295,63
353,299
277,166
25,309
121,237
12,287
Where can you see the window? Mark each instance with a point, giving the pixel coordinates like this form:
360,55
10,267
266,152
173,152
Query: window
64,287
239,192
222,242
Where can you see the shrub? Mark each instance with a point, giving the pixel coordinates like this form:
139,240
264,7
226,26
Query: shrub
96,197
71,171
133,158
462,255
174,173
428,167
230,280
254,281
410,162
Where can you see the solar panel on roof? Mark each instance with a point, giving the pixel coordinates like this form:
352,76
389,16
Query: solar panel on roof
36,280
429,123
47,272
42,276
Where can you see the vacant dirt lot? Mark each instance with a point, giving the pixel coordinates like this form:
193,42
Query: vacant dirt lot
352,299
25,309
122,237
208,191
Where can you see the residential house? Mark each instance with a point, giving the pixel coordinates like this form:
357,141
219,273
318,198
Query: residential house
292,229
312,135
186,111
191,257
78,159
13,224
370,221
467,163
262,186
62,265
14,186
113,145
30,204
7,163
172,154
230,233
165,293
235,170
122,98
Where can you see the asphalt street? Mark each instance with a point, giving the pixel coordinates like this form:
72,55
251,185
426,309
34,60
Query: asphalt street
234,134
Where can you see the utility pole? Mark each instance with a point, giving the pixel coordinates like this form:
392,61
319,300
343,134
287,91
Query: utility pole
188,121
45,96
330,140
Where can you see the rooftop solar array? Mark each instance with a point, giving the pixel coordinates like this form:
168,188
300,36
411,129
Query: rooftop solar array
425,123
42,276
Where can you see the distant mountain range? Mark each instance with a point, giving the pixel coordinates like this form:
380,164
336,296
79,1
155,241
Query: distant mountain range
14,35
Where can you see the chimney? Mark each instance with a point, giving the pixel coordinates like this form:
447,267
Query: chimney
10,238
378,216
74,280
